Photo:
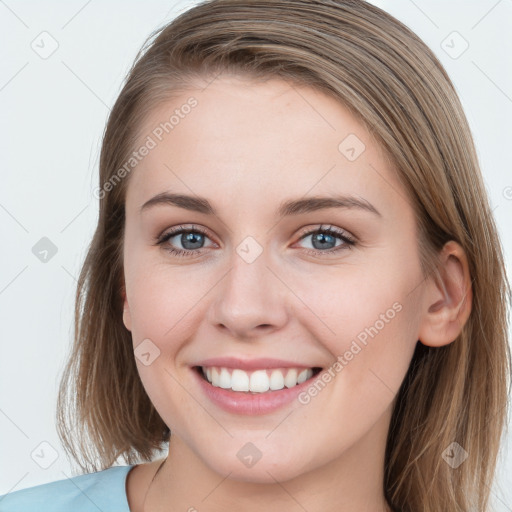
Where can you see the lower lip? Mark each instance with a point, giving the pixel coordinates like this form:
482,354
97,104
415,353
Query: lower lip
251,404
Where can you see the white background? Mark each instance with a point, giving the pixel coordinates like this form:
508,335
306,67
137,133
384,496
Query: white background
53,115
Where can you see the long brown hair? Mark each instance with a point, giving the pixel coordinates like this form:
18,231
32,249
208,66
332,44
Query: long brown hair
393,83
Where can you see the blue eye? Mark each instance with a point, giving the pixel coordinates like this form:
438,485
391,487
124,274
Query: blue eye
323,237
192,239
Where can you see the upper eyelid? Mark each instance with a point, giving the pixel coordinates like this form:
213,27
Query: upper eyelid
324,227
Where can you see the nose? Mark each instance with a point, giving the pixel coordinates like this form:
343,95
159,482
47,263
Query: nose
250,300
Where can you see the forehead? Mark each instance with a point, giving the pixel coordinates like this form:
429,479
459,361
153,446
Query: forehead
255,140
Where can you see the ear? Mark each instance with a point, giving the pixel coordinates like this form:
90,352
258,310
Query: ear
448,298
127,319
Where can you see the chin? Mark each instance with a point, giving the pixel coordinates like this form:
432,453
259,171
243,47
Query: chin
262,474
266,470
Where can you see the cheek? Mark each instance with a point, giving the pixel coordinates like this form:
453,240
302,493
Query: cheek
163,299
368,319
165,308
375,336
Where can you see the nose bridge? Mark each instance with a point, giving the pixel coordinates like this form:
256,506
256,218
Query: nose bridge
249,273
250,296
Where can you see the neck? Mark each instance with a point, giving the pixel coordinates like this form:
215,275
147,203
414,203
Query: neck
352,482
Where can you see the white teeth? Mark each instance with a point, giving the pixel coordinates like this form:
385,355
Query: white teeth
224,379
303,375
259,381
239,380
291,378
276,380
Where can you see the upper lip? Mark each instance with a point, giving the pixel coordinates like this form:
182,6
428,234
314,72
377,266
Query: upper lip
250,364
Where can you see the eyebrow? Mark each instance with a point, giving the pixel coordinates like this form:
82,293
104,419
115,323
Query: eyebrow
287,208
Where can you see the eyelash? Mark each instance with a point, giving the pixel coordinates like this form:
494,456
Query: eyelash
349,242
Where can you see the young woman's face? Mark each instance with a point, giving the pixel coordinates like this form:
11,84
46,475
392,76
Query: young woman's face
260,290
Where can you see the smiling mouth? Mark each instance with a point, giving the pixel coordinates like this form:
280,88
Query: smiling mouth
257,381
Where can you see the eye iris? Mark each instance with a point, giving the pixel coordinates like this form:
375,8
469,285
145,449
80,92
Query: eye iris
323,239
192,238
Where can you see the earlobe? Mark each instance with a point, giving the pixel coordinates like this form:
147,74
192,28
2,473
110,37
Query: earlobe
448,298
127,320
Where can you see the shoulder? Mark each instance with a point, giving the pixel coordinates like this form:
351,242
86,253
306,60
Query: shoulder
102,490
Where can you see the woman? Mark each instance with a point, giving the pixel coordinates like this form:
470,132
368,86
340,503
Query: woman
286,373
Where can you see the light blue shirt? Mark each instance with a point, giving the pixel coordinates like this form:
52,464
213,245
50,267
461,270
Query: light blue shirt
103,491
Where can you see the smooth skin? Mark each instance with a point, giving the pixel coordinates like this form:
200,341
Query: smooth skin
246,147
